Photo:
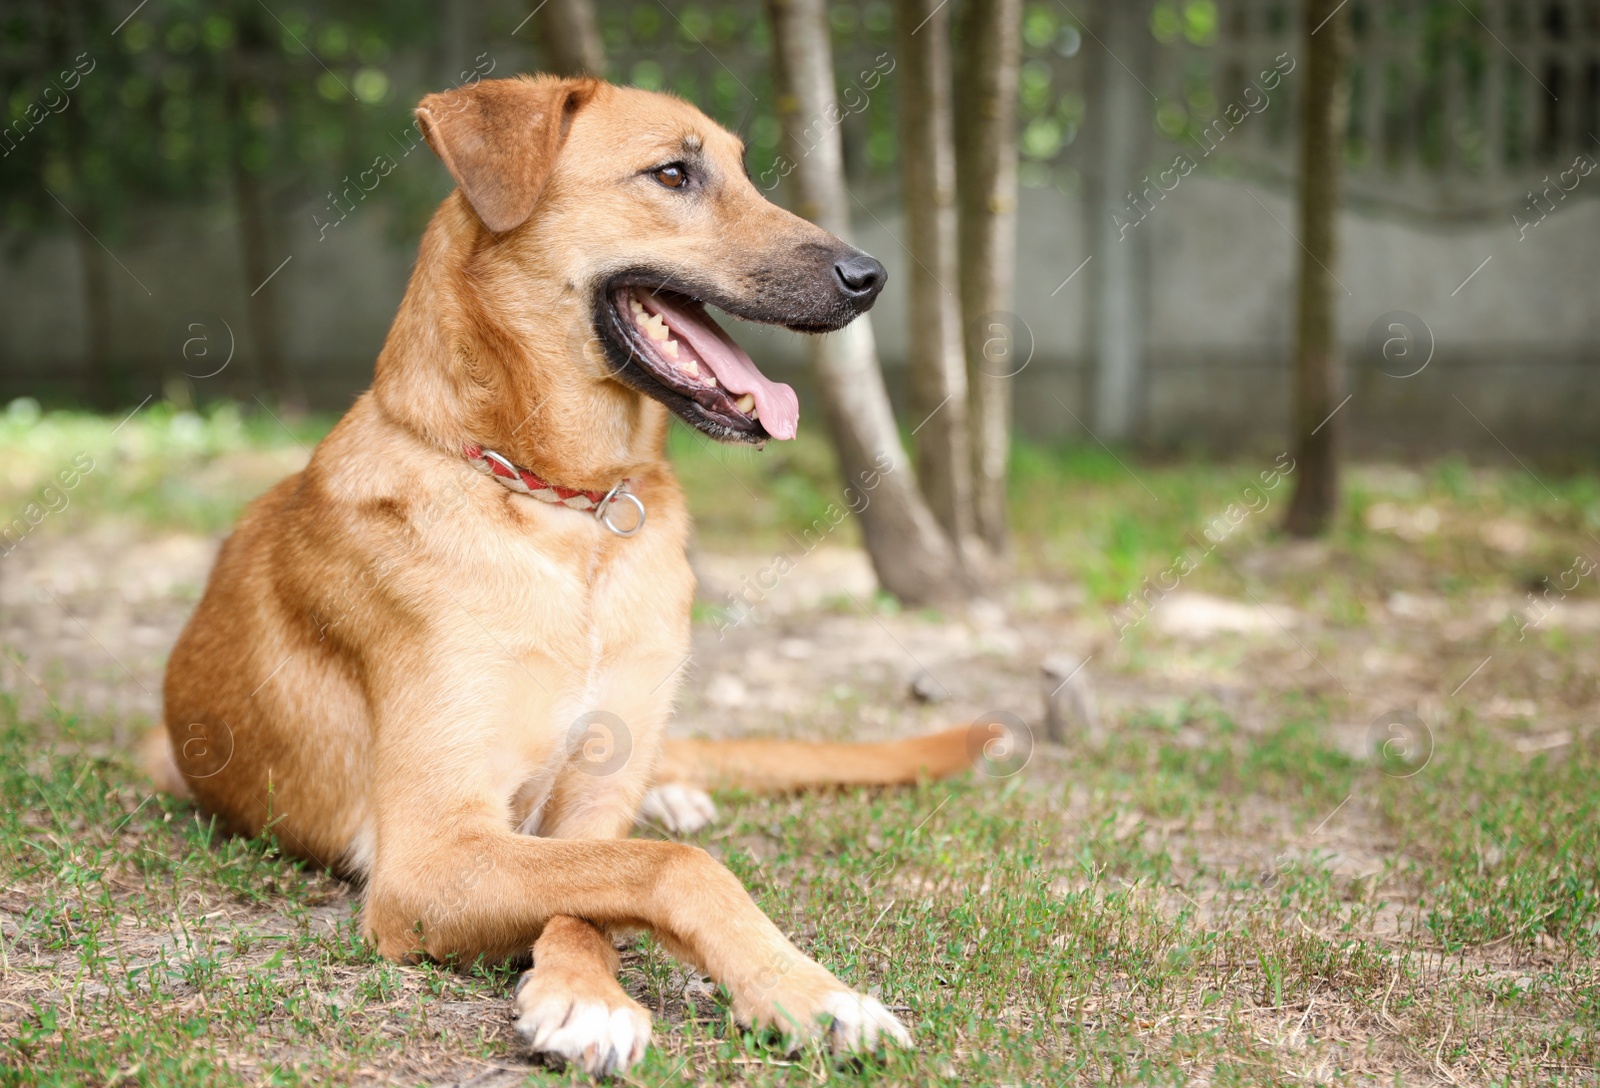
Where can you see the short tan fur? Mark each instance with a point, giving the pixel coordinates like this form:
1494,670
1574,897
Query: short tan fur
392,648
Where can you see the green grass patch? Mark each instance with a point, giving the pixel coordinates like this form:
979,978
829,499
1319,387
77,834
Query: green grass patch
1062,926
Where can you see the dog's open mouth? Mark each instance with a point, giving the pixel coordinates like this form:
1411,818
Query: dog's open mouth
675,352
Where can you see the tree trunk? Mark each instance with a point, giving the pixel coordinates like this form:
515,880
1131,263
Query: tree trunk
1116,130
103,382
1316,361
986,184
936,366
572,38
909,551
260,271
458,40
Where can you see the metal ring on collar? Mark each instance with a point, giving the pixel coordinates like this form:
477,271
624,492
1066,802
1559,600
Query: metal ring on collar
602,512
503,463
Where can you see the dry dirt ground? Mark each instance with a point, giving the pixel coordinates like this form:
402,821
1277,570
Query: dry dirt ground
95,615
88,618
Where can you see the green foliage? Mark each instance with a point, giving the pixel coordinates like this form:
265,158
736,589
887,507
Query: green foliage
186,99
1051,103
1194,21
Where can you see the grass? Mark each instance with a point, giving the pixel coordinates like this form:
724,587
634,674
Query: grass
1123,525
1222,887
164,468
170,469
1028,936
158,468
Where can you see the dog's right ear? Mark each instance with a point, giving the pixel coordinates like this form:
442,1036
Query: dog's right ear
499,139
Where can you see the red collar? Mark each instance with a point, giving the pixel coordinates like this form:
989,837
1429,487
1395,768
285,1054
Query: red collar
524,482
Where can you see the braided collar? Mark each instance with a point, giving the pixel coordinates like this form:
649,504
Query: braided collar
525,482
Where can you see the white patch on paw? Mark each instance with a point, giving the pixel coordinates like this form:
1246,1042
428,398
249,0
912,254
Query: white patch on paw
591,1035
861,1024
682,810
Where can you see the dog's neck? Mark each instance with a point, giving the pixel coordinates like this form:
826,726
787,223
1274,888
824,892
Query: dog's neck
487,350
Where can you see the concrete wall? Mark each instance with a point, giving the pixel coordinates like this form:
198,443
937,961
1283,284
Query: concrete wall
1519,344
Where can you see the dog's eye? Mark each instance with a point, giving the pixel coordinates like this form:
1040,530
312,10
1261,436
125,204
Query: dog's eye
673,177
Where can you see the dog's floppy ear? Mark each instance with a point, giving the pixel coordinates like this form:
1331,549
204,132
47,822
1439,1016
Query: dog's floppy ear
499,139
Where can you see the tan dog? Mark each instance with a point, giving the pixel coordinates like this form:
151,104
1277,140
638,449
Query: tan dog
405,648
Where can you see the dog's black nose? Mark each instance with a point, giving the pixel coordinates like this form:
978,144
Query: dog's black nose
860,277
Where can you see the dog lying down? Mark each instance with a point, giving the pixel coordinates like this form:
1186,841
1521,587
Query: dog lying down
401,648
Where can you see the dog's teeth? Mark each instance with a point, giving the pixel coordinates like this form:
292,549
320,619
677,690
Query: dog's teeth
634,304
711,381
656,328
688,366
746,404
671,348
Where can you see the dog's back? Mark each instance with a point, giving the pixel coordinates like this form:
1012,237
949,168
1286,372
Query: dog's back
266,721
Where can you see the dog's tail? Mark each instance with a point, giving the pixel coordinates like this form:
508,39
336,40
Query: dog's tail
778,766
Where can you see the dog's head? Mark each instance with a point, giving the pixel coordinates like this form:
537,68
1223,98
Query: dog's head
641,208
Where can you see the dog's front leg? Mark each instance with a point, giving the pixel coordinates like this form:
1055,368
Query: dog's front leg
694,906
452,879
570,1003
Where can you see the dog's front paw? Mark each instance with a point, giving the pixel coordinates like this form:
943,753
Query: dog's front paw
589,1021
810,1004
861,1024
680,809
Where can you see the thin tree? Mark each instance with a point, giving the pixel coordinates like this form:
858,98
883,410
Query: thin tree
986,184
77,149
1116,134
937,364
246,73
909,551
572,38
59,167
1316,356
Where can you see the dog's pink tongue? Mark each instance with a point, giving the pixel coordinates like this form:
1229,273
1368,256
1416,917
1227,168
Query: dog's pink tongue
776,404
